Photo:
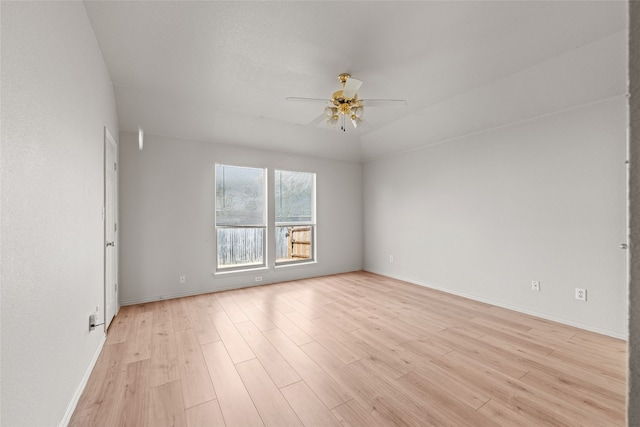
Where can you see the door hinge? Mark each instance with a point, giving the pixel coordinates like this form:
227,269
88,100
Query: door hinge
115,166
115,227
116,287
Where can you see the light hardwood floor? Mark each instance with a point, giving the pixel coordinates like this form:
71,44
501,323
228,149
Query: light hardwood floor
353,349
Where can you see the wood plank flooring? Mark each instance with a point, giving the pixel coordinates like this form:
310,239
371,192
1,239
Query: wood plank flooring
354,349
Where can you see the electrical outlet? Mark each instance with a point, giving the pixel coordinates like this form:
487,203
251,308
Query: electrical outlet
581,294
183,279
390,258
535,285
94,318
258,279
93,321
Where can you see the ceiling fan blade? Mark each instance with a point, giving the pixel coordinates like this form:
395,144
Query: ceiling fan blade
299,99
383,102
351,87
317,120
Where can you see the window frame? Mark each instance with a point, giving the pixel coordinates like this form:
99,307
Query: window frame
265,227
312,223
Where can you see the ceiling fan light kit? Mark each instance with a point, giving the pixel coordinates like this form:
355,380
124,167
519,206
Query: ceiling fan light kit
344,104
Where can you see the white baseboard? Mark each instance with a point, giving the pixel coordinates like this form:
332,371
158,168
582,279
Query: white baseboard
191,293
76,396
511,307
209,290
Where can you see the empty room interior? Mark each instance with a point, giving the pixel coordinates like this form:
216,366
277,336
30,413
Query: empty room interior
319,213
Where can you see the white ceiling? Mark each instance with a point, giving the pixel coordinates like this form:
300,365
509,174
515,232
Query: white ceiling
220,71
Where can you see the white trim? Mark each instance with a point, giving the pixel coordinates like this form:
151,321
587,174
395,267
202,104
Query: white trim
228,288
108,138
231,270
290,264
76,396
511,307
190,294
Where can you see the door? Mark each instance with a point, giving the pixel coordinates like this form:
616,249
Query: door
110,228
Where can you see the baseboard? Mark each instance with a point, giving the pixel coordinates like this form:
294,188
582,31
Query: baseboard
510,307
226,288
76,396
191,293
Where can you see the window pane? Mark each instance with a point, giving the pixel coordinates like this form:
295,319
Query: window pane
294,243
294,196
240,247
240,196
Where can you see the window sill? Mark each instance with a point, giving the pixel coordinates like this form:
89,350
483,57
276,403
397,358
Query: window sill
243,270
297,264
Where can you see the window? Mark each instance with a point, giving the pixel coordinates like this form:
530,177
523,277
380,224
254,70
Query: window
295,216
240,217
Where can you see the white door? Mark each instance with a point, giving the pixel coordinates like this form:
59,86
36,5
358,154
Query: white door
110,228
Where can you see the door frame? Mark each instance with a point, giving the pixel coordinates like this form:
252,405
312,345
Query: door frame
109,139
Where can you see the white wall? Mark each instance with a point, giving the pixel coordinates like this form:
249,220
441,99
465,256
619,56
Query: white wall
167,195
56,99
484,215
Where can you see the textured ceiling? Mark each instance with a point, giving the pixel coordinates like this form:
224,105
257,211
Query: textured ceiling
220,71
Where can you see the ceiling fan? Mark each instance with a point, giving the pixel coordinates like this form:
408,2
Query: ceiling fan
344,104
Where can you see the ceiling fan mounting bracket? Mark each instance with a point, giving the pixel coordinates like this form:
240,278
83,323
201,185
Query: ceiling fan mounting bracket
343,77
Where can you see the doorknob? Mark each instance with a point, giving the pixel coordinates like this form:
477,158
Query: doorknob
624,246
111,244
